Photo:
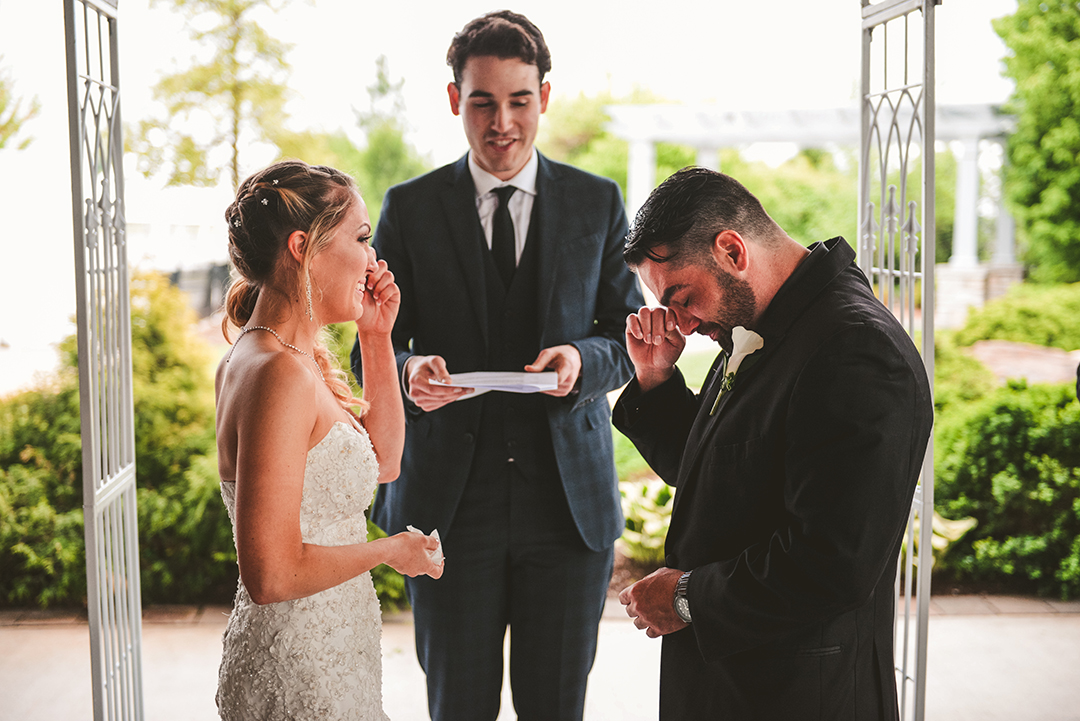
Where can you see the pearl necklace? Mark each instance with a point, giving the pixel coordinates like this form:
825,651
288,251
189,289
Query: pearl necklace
245,329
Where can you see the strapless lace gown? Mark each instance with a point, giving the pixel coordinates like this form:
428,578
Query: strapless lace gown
317,657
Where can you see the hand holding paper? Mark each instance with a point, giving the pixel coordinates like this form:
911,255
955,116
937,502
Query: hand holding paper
565,361
419,372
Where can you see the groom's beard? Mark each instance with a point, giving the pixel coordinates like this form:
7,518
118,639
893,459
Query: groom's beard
736,307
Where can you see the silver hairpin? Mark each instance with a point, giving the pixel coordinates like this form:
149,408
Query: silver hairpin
236,223
265,201
275,181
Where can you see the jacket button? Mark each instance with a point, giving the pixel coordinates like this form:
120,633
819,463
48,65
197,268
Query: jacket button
469,438
670,561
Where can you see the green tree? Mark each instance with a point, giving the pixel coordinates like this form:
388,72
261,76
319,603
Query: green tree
1042,181
574,132
387,157
807,195
239,94
13,117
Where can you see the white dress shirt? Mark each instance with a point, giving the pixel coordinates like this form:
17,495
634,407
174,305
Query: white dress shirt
521,202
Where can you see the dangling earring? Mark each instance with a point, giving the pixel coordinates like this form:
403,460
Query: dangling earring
307,282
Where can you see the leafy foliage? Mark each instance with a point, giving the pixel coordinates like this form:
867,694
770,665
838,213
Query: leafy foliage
185,540
811,200
186,547
1028,313
574,132
1012,461
41,525
386,159
959,378
239,91
647,505
12,115
1042,181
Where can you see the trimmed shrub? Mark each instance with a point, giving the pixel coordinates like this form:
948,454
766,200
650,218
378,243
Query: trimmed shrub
1038,314
959,378
1011,460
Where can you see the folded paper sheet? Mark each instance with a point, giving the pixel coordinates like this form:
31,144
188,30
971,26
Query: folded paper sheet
509,381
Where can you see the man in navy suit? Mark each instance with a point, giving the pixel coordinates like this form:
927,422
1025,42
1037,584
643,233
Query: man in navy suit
507,261
794,466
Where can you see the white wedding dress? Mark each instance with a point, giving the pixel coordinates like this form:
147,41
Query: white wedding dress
317,657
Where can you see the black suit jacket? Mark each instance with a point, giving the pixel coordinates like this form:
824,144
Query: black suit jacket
790,505
430,235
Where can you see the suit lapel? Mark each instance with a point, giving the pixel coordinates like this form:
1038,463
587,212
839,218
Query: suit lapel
459,208
703,423
547,232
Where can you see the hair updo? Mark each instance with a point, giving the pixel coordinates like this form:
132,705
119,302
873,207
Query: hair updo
270,205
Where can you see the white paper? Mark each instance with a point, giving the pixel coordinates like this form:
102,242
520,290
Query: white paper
509,381
436,556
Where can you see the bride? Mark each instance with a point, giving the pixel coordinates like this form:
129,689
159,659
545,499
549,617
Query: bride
298,467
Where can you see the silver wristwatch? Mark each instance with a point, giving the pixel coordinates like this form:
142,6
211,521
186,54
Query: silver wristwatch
682,603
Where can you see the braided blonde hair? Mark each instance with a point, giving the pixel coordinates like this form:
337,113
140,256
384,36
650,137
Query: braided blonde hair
270,205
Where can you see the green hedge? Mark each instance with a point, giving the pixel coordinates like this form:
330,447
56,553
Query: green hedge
1011,460
41,526
186,550
959,377
1045,315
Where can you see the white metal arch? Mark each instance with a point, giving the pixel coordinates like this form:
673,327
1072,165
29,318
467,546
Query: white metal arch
104,346
896,251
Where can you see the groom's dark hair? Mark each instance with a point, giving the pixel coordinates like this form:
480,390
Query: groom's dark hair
502,34
687,211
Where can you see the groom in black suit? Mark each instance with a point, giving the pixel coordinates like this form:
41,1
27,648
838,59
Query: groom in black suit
507,261
794,467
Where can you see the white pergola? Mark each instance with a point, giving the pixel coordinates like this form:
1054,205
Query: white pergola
708,128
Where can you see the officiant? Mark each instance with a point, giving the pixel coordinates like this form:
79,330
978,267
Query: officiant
794,467
507,261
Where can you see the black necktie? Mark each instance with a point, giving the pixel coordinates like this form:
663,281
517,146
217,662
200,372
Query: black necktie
503,244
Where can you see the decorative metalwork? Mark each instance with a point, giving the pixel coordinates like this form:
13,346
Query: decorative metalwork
104,347
896,174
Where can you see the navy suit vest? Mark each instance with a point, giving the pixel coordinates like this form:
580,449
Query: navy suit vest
515,426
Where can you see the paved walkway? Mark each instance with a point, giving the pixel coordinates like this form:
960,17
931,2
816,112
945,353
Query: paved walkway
1023,360
991,658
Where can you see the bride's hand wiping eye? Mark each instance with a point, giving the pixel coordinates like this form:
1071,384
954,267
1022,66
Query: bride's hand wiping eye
382,298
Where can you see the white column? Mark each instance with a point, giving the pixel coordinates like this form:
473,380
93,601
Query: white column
1004,270
965,247
708,158
1005,243
640,174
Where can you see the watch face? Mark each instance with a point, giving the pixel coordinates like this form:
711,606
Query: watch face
682,608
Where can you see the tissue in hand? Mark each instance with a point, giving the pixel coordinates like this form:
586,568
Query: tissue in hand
436,555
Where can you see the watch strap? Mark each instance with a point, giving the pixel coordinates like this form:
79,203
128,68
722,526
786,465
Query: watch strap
682,603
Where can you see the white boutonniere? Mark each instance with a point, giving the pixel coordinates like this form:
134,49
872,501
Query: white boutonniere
743,343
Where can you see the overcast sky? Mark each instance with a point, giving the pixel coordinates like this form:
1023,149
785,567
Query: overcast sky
738,54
